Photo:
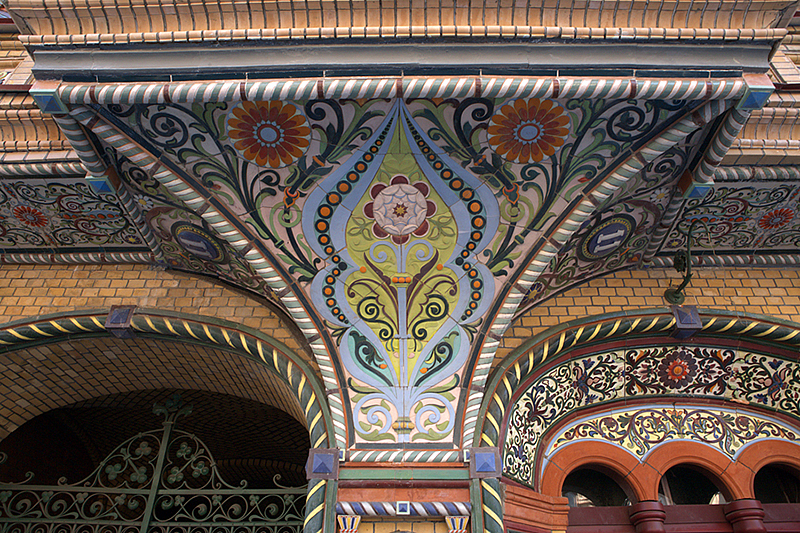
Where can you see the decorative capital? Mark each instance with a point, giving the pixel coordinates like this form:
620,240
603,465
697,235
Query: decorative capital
746,516
45,94
648,517
118,321
484,462
759,88
457,524
348,523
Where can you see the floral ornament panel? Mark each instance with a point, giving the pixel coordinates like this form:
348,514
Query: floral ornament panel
741,218
259,159
67,215
401,219
618,236
262,159
269,134
640,431
401,229
528,130
184,238
663,371
539,155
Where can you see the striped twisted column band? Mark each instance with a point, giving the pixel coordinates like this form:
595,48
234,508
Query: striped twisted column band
403,508
402,87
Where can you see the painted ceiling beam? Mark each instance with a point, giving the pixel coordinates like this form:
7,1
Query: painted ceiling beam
243,60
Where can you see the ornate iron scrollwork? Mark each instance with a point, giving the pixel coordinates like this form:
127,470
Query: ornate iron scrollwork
162,480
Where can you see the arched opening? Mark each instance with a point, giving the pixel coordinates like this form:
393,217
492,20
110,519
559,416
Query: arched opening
595,487
250,441
777,483
86,379
690,485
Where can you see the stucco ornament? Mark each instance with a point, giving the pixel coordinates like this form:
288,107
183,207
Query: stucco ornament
400,209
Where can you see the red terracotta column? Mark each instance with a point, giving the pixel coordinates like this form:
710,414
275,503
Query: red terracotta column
746,516
648,517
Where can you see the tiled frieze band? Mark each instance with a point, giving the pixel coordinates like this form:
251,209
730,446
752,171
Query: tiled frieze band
642,429
405,456
414,508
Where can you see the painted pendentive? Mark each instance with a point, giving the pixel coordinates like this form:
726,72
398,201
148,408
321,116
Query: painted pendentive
400,219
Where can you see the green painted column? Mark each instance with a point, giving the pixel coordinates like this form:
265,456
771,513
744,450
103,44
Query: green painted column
315,506
492,505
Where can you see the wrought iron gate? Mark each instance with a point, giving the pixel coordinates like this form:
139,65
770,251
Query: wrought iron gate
158,481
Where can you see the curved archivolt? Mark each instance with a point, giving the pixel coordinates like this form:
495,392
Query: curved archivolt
290,378
605,381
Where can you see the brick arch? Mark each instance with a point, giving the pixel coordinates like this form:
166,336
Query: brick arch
729,476
592,335
733,479
60,359
57,360
72,370
587,454
766,453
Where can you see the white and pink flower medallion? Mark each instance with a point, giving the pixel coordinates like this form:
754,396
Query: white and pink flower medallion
400,209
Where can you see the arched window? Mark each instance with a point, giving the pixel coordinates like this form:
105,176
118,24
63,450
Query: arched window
595,487
690,485
777,483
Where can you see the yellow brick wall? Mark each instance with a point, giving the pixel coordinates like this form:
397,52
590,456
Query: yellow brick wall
766,291
434,524
38,379
27,291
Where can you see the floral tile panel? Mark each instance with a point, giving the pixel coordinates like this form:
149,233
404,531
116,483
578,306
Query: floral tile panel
67,215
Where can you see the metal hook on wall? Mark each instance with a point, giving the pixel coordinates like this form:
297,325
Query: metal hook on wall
682,261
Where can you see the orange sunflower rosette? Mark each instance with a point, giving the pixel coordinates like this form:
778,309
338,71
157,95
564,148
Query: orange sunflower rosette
270,134
526,131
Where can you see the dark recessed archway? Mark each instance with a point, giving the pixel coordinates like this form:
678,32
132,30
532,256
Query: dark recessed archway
594,487
249,440
777,483
690,485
